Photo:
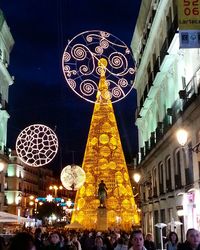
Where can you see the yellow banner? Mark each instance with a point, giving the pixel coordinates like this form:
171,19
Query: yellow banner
189,14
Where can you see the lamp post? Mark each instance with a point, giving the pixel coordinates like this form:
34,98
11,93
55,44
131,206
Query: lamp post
136,191
55,188
173,224
160,226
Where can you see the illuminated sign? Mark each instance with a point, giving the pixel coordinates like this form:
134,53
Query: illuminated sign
188,13
189,23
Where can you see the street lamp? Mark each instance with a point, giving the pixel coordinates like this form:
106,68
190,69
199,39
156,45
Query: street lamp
136,177
182,138
55,188
160,226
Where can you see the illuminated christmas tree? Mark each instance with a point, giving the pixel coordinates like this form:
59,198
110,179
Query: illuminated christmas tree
104,160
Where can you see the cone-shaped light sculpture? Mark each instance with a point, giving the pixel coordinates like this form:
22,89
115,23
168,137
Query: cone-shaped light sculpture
104,160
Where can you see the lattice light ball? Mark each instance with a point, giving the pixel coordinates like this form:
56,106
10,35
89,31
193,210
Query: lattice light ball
82,71
72,177
37,145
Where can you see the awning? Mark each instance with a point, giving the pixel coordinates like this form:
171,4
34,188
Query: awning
7,217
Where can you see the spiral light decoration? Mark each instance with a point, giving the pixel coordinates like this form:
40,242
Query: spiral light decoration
82,73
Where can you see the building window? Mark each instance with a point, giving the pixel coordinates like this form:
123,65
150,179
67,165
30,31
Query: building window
178,170
168,175
161,178
154,177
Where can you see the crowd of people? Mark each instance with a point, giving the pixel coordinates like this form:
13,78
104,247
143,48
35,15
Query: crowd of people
92,240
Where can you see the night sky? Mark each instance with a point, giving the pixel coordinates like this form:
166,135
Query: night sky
40,94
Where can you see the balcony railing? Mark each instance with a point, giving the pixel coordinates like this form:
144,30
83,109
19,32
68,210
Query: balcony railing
191,91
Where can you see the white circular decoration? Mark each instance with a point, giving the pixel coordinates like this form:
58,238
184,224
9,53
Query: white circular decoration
81,68
37,145
72,177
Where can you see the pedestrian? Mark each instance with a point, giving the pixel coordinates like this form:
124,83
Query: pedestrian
22,241
55,242
136,241
172,241
76,242
149,243
192,240
98,244
122,244
2,243
38,239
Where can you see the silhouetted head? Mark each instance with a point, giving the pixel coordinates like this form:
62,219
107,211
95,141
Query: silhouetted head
22,241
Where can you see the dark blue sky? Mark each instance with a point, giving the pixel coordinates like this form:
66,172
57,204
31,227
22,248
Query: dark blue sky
40,94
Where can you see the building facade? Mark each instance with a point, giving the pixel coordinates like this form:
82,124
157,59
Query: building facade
6,44
168,88
23,185
18,182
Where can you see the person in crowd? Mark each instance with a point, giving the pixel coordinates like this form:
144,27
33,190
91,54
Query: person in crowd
149,243
122,244
172,242
88,242
38,239
55,242
98,244
2,243
192,240
22,241
76,242
136,241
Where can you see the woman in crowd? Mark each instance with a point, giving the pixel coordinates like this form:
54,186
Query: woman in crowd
98,244
172,242
148,243
55,242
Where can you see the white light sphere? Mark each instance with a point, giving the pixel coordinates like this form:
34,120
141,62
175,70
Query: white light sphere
37,145
72,177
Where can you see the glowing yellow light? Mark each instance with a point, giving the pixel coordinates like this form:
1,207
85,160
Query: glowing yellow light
31,203
104,160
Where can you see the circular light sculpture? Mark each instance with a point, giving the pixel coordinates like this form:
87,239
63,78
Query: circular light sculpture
72,177
37,145
82,71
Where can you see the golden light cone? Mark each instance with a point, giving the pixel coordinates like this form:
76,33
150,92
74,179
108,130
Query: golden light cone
104,160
